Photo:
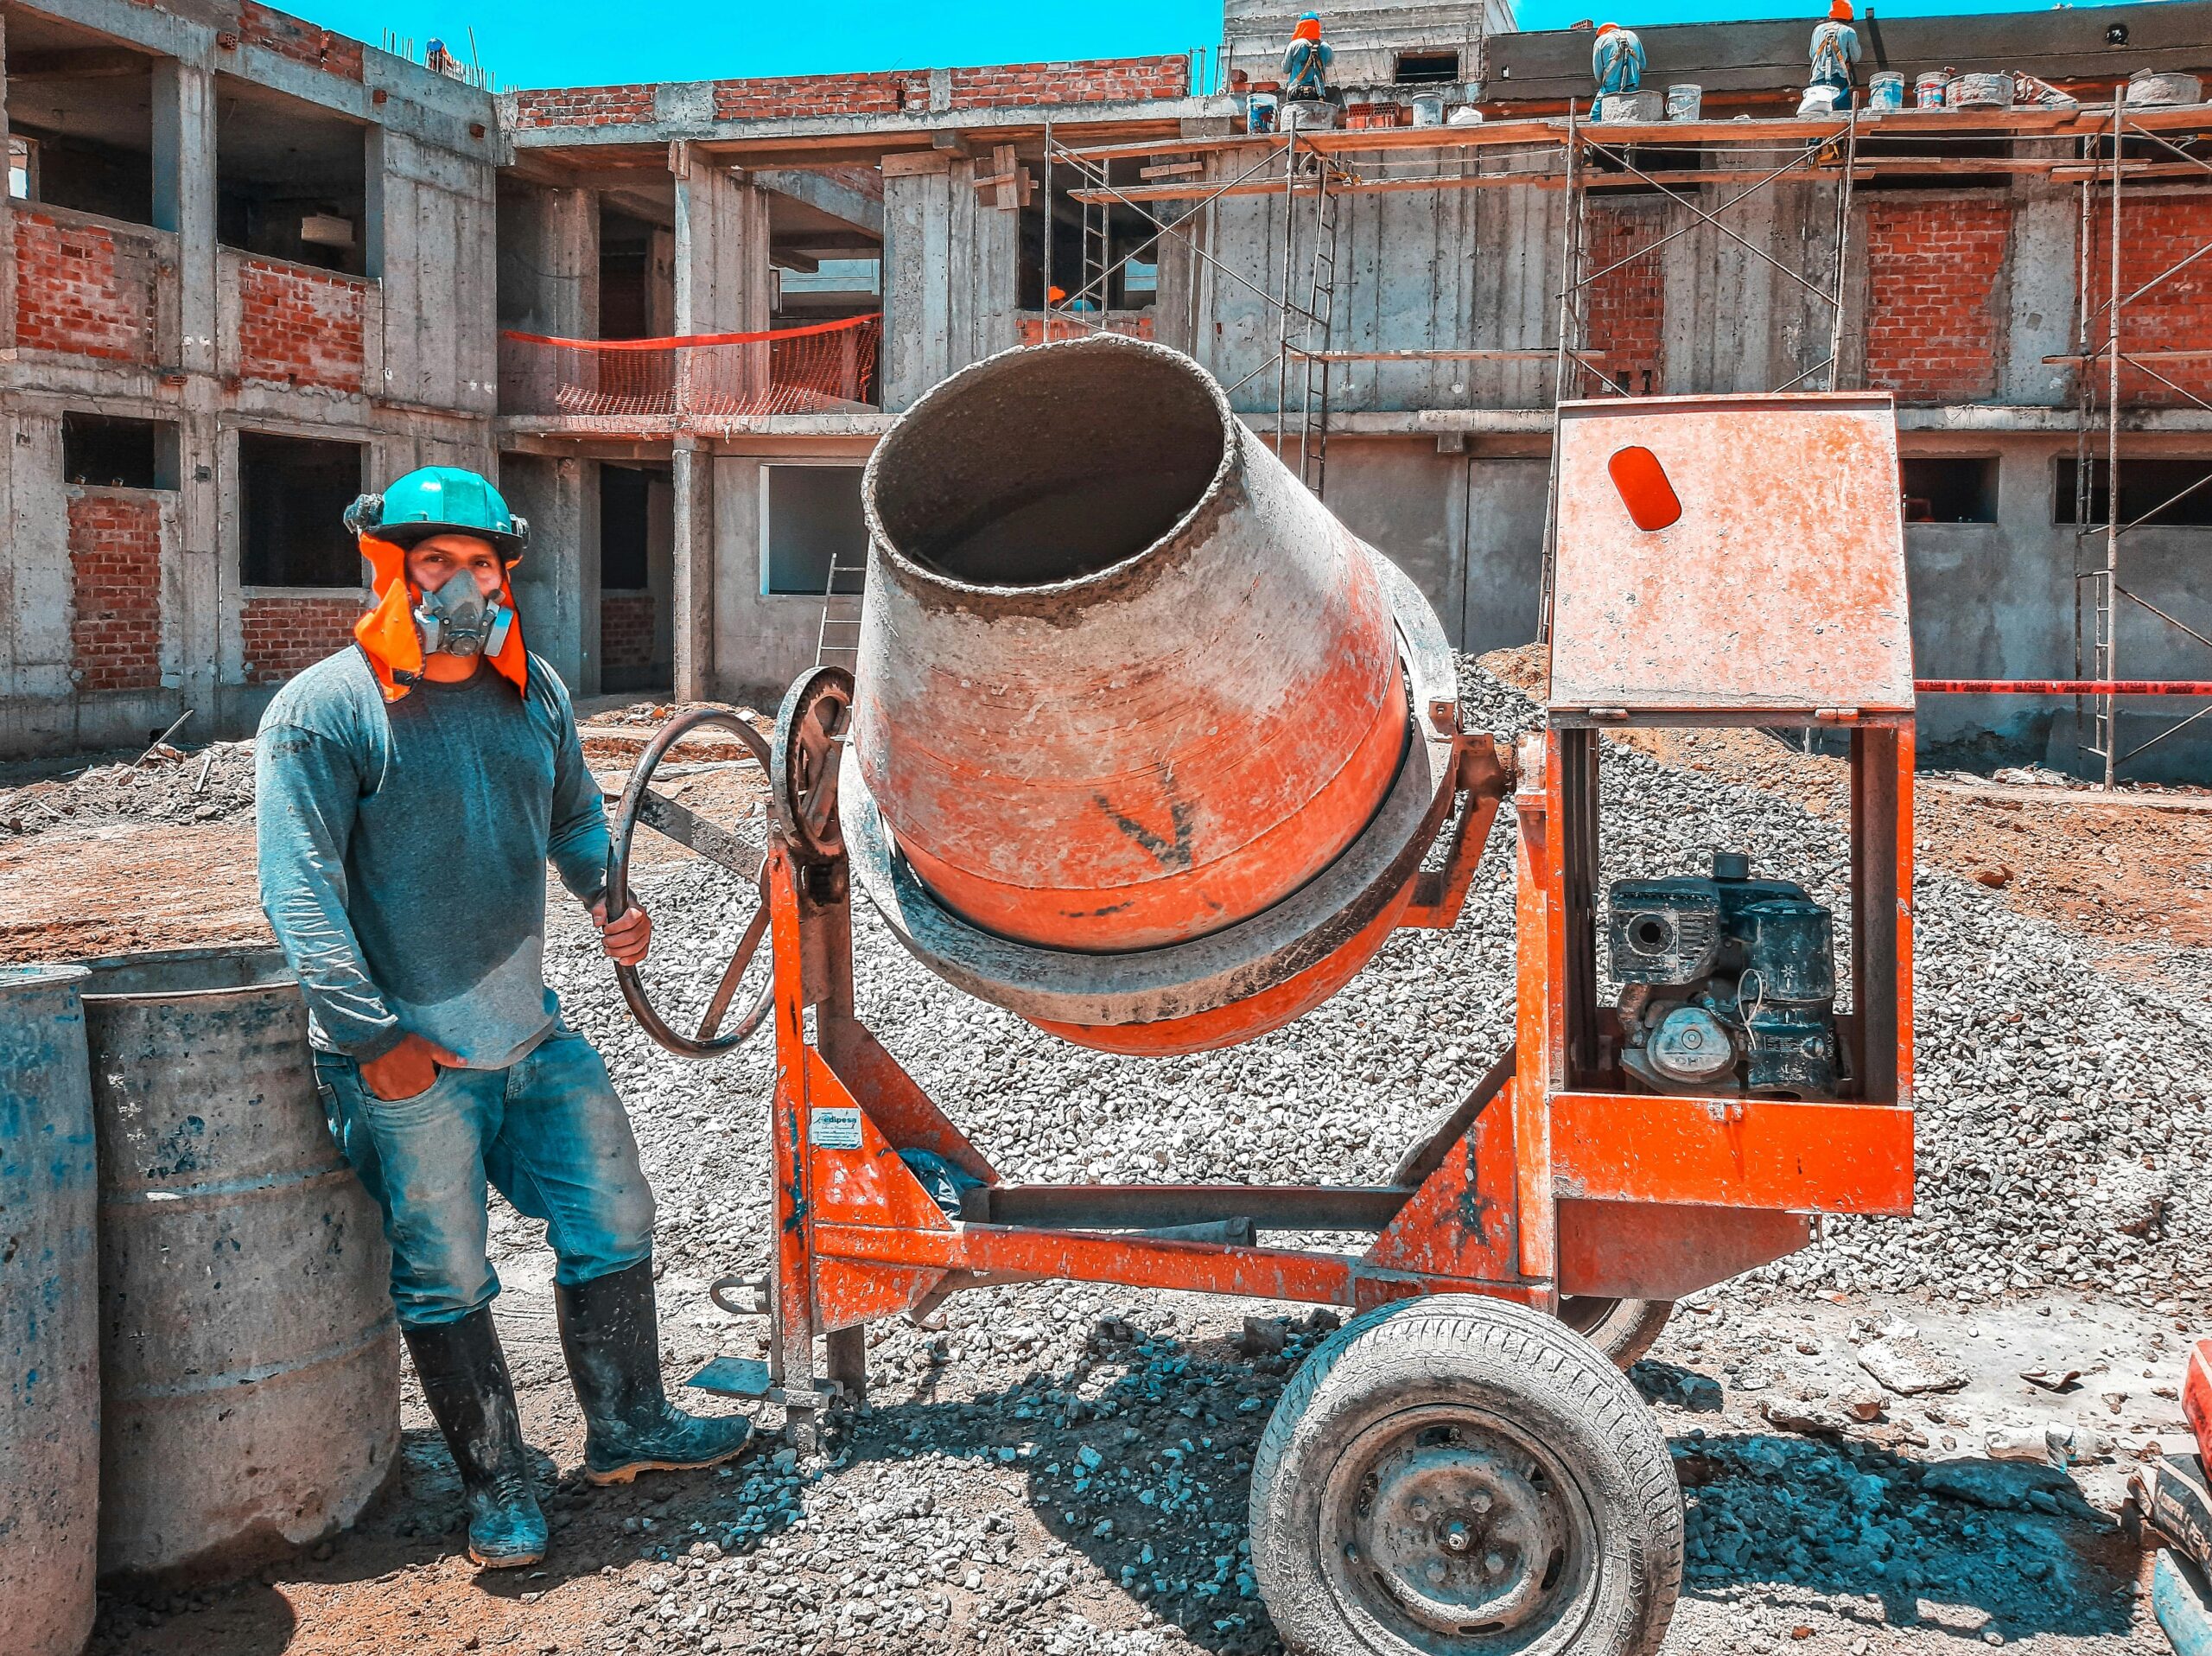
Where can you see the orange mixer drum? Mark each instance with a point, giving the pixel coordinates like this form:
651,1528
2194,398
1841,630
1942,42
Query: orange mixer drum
1124,685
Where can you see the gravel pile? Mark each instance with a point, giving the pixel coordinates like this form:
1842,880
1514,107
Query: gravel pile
210,784
1063,1469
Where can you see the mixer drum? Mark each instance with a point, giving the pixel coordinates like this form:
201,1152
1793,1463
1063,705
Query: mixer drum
1133,725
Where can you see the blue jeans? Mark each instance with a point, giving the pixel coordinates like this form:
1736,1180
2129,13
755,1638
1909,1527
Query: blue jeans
549,1133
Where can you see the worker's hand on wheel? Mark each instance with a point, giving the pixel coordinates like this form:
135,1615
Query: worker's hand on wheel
408,1070
626,940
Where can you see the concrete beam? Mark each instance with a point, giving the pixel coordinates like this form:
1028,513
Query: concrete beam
557,583
824,195
722,248
900,130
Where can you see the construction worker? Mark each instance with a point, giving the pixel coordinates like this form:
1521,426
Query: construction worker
1306,62
1616,59
412,789
1835,48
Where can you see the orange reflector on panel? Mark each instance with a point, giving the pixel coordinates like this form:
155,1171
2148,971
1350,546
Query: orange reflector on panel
1644,489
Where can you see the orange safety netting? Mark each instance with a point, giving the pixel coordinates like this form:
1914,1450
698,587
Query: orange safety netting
787,371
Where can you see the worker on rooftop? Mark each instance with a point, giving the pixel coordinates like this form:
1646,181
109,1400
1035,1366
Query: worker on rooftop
1835,48
1616,59
1306,62
411,790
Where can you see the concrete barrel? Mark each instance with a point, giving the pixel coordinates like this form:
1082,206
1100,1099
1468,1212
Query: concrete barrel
249,1355
1134,711
49,1327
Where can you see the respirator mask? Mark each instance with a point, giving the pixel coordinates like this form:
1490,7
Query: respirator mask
461,621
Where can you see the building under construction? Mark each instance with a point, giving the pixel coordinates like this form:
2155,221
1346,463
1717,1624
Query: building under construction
252,267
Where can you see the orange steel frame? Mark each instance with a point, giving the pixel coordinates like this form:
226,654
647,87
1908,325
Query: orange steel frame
1551,1178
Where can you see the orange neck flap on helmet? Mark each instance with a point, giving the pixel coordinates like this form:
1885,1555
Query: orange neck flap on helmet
388,636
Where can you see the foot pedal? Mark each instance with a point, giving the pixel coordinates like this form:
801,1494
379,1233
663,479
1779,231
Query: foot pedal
732,1376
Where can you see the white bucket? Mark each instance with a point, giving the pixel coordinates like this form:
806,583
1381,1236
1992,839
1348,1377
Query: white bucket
1885,91
1631,109
1685,102
1927,90
1979,91
1429,108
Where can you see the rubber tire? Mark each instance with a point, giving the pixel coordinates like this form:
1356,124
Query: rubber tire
1623,1329
1515,1363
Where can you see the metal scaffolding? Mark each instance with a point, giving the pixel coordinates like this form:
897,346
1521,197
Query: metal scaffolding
1321,175
2103,348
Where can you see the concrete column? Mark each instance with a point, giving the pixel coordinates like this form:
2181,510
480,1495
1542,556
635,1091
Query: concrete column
2041,273
917,261
694,559
556,584
184,200
722,247
7,204
548,275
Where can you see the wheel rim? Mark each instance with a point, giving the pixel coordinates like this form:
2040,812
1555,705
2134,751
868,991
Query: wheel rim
1584,1312
1452,1531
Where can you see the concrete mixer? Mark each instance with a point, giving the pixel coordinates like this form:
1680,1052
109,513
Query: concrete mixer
1146,748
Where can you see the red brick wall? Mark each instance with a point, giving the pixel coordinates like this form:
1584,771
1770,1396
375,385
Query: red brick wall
1029,326
585,106
1095,81
844,94
115,587
625,629
82,288
1099,80
299,326
283,636
289,36
1934,272
1628,306
2176,314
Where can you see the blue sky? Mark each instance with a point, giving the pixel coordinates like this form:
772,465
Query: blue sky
555,42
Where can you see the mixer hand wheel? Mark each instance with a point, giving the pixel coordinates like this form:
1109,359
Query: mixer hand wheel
800,767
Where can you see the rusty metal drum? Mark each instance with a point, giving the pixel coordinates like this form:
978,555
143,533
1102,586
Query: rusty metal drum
1136,745
49,1330
249,1354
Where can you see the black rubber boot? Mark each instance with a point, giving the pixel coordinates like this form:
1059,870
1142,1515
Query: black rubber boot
464,1376
610,1335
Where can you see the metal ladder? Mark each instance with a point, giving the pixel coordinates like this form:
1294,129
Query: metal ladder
1321,309
839,642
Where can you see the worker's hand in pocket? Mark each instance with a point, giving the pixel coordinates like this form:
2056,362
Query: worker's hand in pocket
625,939
407,1071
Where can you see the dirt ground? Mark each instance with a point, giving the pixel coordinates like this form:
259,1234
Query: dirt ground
774,1554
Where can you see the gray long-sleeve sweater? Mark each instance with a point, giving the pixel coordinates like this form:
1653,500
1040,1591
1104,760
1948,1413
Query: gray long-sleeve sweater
402,853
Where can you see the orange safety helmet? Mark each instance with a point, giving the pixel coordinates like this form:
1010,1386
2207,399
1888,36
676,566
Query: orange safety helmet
1839,11
1607,29
1309,29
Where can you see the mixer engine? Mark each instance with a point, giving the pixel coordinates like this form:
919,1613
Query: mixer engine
1728,983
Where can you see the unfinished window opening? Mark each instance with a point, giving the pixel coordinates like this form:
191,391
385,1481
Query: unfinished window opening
825,242
108,451
625,518
637,278
291,180
2164,494
1949,488
293,492
1426,68
80,120
1101,263
811,518
817,288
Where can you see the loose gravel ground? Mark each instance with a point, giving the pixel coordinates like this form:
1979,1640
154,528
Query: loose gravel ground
1063,1469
